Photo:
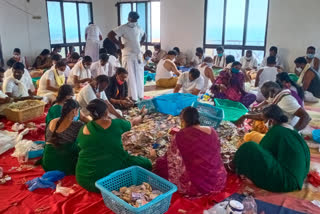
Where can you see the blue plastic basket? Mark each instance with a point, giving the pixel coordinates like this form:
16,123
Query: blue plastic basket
316,135
173,103
209,115
135,176
149,105
36,153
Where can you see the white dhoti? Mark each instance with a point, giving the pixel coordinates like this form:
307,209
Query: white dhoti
92,49
48,96
135,68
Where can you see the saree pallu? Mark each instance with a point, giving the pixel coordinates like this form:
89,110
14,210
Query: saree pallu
193,163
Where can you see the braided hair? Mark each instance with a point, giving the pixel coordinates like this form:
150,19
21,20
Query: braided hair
64,91
68,106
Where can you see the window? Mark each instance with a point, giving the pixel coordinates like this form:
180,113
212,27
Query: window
237,25
67,23
149,21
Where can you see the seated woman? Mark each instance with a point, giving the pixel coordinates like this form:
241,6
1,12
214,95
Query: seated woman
61,152
270,165
308,79
207,73
190,82
230,85
117,91
65,92
43,61
284,80
193,160
14,86
219,60
80,73
101,150
274,94
51,81
165,71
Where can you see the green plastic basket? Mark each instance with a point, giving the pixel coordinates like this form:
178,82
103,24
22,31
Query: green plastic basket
232,110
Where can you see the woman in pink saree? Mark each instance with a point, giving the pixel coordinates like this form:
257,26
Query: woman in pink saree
193,160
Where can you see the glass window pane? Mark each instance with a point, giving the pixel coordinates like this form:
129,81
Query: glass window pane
214,22
71,22
63,52
259,55
85,18
155,21
151,48
149,23
235,22
125,9
134,7
77,49
55,22
141,10
257,21
236,53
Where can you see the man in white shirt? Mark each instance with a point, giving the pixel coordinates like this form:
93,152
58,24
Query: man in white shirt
13,86
93,38
101,67
165,70
26,77
80,73
273,51
197,58
249,62
96,90
132,37
190,82
51,81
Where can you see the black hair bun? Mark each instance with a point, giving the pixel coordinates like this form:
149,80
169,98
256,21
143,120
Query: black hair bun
283,119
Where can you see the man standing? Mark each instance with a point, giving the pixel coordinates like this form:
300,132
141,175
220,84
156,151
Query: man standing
132,37
93,38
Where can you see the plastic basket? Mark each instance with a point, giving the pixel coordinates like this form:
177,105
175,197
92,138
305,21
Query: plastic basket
316,135
25,114
208,114
135,176
232,110
173,103
36,153
149,105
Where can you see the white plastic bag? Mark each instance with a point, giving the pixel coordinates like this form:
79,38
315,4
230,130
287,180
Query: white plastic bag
65,191
7,140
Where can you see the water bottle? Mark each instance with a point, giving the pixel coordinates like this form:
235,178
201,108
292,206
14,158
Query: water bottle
250,205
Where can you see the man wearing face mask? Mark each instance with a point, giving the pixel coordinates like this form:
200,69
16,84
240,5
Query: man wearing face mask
181,59
309,80
219,60
80,73
274,94
312,59
101,67
207,73
190,82
146,59
132,36
249,62
51,81
96,90
165,71
117,91
158,54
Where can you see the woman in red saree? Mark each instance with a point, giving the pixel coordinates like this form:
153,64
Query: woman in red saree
193,160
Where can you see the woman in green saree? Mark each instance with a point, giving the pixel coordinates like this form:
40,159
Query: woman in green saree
65,92
101,150
61,151
281,161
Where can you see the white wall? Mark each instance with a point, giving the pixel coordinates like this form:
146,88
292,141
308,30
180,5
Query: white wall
182,24
19,30
293,26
